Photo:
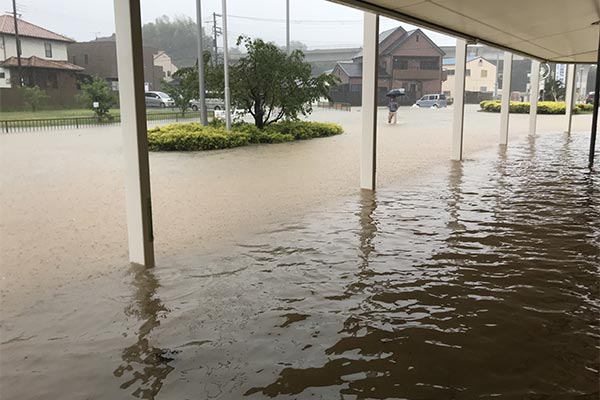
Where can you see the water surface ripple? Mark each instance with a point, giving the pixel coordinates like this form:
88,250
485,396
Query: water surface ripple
479,281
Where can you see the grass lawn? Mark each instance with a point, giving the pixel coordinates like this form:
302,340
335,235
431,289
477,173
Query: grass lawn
13,115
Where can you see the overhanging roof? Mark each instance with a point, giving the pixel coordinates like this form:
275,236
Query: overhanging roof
558,31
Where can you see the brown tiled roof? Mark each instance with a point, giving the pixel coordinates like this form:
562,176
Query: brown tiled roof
36,62
7,26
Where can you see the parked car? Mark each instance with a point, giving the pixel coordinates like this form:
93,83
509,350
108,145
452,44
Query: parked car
432,100
212,104
159,99
590,98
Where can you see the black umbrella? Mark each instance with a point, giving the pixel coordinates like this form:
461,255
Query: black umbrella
395,93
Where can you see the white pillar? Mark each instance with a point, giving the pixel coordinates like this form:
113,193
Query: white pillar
533,95
369,101
504,112
226,66
130,64
570,96
459,99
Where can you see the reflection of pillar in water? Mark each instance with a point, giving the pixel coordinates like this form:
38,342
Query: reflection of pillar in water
144,365
368,228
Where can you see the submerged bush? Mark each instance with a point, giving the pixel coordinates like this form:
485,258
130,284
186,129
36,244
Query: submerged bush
195,137
544,107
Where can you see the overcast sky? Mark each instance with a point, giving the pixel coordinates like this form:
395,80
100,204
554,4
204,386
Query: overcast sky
317,23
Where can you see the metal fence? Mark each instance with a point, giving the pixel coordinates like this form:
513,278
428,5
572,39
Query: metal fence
335,106
40,124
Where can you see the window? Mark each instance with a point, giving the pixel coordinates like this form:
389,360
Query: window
74,60
400,63
417,39
355,88
467,72
429,63
2,75
168,73
484,73
48,48
385,65
85,59
450,72
483,89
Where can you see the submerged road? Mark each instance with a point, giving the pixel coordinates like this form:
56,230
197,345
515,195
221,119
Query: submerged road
62,207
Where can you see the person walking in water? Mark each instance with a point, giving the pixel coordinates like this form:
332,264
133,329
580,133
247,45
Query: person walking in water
393,107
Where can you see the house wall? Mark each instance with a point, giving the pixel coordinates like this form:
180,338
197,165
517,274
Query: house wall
32,47
29,47
474,82
164,61
100,58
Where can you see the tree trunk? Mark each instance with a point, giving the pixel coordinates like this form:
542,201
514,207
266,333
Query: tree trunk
258,116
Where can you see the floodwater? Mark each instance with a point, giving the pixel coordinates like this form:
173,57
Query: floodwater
479,280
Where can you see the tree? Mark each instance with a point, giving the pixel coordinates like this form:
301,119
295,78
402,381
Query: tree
97,92
35,97
177,37
271,85
185,89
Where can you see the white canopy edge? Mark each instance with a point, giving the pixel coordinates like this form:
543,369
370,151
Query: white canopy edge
558,31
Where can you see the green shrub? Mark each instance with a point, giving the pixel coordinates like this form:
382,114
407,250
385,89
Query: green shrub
544,107
195,137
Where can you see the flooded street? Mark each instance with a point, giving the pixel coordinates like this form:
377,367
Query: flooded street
456,281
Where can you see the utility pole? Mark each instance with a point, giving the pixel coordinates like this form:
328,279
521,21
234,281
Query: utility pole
216,32
226,66
201,90
18,42
287,27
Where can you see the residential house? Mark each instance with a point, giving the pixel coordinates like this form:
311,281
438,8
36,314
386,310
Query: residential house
324,60
44,63
408,60
99,57
162,59
480,78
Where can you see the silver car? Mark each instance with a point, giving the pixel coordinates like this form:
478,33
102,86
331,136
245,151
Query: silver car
432,100
212,104
159,99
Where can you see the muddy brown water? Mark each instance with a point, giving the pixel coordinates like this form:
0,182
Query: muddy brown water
477,281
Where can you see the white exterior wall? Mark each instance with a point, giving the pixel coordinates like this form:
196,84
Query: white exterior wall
474,82
29,47
5,82
32,47
167,65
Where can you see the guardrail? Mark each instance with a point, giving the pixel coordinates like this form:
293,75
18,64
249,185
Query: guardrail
39,124
335,106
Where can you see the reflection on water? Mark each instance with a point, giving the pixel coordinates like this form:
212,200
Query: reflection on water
484,288
477,282
144,366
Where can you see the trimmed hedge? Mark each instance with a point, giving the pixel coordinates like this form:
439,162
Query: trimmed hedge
544,107
195,137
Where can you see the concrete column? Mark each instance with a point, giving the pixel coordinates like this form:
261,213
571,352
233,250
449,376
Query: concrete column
130,64
570,96
504,112
534,94
459,100
368,152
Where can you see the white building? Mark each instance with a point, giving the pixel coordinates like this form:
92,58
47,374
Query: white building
480,75
43,55
162,59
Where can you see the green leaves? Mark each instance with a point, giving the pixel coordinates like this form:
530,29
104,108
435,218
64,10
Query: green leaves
98,91
544,107
271,85
195,137
35,97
